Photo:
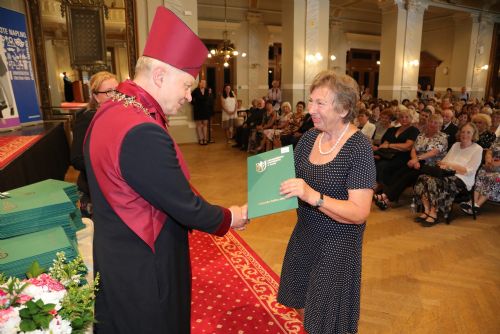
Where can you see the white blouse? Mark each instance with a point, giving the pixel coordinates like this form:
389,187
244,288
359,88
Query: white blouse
469,157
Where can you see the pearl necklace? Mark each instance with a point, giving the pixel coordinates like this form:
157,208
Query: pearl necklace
334,146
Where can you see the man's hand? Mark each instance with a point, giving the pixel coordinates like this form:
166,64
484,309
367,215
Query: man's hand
240,217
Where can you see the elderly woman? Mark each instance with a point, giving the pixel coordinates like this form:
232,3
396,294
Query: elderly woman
437,193
275,131
321,273
430,147
483,124
102,87
395,149
487,181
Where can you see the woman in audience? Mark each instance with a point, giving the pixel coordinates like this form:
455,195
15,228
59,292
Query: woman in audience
229,108
395,149
430,147
275,131
483,124
437,193
102,87
321,275
487,181
268,121
366,128
381,127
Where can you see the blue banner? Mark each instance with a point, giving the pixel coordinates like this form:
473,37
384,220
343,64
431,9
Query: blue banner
18,97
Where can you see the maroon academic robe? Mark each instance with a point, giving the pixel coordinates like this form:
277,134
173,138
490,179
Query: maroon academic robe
143,209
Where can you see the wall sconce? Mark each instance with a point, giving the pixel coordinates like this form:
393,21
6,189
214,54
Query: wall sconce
445,70
314,58
484,67
414,63
378,62
332,57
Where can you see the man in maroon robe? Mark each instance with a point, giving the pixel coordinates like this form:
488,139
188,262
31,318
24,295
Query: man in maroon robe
143,203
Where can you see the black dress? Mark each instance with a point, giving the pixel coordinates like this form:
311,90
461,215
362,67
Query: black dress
386,168
322,267
202,104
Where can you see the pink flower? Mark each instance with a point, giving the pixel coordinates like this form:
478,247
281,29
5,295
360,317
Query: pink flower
46,280
21,299
6,314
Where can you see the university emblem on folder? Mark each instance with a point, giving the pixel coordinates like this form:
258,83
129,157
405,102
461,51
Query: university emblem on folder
260,166
3,254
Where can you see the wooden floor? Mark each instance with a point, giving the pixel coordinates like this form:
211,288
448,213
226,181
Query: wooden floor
444,279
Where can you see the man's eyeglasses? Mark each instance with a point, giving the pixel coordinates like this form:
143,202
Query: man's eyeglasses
109,93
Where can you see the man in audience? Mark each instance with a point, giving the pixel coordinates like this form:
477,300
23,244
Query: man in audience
449,128
422,119
464,95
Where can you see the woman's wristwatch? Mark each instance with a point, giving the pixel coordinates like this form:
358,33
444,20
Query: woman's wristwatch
320,201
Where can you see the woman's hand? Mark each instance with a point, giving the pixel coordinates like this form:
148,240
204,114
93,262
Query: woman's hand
413,163
298,187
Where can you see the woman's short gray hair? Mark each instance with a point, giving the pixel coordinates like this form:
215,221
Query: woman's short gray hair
344,88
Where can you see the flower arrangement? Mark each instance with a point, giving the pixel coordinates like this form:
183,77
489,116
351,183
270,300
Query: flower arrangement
57,302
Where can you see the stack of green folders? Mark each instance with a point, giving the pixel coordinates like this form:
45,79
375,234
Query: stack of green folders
18,253
40,206
36,222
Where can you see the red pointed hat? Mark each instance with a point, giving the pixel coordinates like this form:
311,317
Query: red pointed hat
171,41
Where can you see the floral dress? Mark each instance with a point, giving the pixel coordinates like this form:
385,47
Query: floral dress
424,144
488,181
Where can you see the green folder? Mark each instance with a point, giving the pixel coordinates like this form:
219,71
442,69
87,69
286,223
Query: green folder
33,244
266,171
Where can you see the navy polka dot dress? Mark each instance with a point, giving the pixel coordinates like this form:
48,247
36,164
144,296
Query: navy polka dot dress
322,267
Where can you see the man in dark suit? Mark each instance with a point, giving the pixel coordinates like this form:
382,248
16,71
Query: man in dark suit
448,127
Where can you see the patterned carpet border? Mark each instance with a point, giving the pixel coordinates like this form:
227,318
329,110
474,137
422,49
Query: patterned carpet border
260,280
13,146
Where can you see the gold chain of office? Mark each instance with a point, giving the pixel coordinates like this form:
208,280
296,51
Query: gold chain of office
129,101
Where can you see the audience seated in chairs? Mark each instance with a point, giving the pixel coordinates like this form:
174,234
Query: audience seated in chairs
394,152
430,147
487,185
256,144
254,118
299,124
437,193
281,124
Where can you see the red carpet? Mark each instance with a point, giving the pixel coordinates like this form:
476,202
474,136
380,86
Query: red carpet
13,146
234,291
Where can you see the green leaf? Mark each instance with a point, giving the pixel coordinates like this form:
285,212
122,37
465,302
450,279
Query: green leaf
39,303
48,307
77,323
34,270
25,313
42,320
27,326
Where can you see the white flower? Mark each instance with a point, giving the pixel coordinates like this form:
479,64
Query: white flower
9,321
43,293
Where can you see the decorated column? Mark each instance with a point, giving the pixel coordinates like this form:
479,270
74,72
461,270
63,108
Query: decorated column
400,45
337,58
300,65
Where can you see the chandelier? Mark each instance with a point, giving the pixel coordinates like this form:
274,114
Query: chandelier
227,51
